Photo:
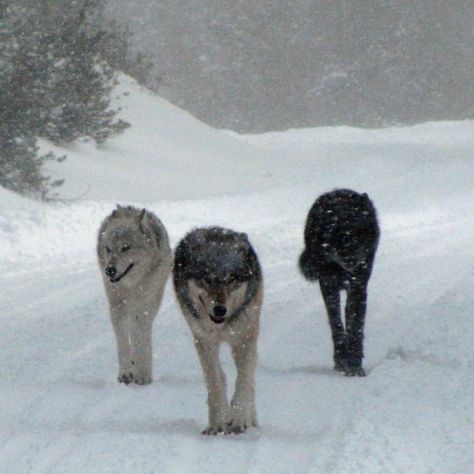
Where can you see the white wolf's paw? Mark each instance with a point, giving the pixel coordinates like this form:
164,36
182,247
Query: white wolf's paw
125,377
215,428
241,419
128,377
142,379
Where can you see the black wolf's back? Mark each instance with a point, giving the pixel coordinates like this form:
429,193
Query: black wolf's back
339,222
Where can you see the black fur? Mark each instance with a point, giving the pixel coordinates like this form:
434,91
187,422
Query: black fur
217,254
341,238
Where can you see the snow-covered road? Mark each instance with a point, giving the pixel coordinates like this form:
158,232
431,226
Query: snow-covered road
62,410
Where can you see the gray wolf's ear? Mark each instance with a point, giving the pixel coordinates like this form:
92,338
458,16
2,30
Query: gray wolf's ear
194,241
243,243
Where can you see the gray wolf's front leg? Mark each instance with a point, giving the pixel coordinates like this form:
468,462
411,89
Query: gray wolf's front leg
243,413
141,342
216,386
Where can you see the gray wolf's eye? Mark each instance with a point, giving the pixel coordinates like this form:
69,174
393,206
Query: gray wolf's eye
107,249
125,248
204,284
234,284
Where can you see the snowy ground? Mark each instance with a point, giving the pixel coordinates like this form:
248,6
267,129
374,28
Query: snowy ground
61,409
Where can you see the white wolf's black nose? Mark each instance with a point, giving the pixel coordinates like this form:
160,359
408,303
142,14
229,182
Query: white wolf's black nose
219,311
111,271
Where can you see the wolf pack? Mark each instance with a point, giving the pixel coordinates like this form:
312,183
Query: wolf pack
218,283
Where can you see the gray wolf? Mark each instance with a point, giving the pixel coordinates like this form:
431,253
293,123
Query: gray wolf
341,238
135,261
219,287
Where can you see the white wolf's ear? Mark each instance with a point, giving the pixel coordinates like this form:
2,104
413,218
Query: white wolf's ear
143,221
117,211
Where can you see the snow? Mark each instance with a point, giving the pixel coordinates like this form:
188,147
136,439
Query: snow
61,408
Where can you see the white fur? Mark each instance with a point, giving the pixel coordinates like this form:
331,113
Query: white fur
134,300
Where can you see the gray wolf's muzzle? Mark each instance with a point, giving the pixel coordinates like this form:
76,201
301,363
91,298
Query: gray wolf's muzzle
218,314
111,272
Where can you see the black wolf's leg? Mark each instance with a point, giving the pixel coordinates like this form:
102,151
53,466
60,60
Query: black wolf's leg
355,318
332,300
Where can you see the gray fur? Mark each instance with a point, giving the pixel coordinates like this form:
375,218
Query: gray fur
136,292
218,267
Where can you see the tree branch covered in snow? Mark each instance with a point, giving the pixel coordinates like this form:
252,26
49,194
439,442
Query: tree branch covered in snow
55,83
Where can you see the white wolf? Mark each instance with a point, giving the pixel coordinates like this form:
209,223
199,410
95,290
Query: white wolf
135,260
218,284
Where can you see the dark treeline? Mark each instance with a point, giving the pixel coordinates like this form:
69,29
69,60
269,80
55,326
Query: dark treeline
256,65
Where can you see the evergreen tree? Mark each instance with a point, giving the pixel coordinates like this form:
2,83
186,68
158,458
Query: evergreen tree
20,164
79,81
56,78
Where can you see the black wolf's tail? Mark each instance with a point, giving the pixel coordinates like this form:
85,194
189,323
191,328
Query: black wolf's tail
308,266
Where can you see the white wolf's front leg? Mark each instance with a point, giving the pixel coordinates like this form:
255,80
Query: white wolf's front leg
120,324
216,386
243,414
141,342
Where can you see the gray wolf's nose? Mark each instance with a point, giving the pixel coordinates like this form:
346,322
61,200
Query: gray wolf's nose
220,311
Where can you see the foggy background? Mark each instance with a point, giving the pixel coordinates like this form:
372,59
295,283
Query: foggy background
259,65
250,66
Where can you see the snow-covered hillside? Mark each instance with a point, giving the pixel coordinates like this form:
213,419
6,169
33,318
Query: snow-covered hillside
62,410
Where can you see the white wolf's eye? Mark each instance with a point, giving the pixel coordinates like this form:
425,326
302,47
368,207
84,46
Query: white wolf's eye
125,248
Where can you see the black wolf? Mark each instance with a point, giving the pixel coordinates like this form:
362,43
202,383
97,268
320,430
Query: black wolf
341,238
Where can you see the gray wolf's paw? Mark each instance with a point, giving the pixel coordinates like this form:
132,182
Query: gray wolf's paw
241,419
215,429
